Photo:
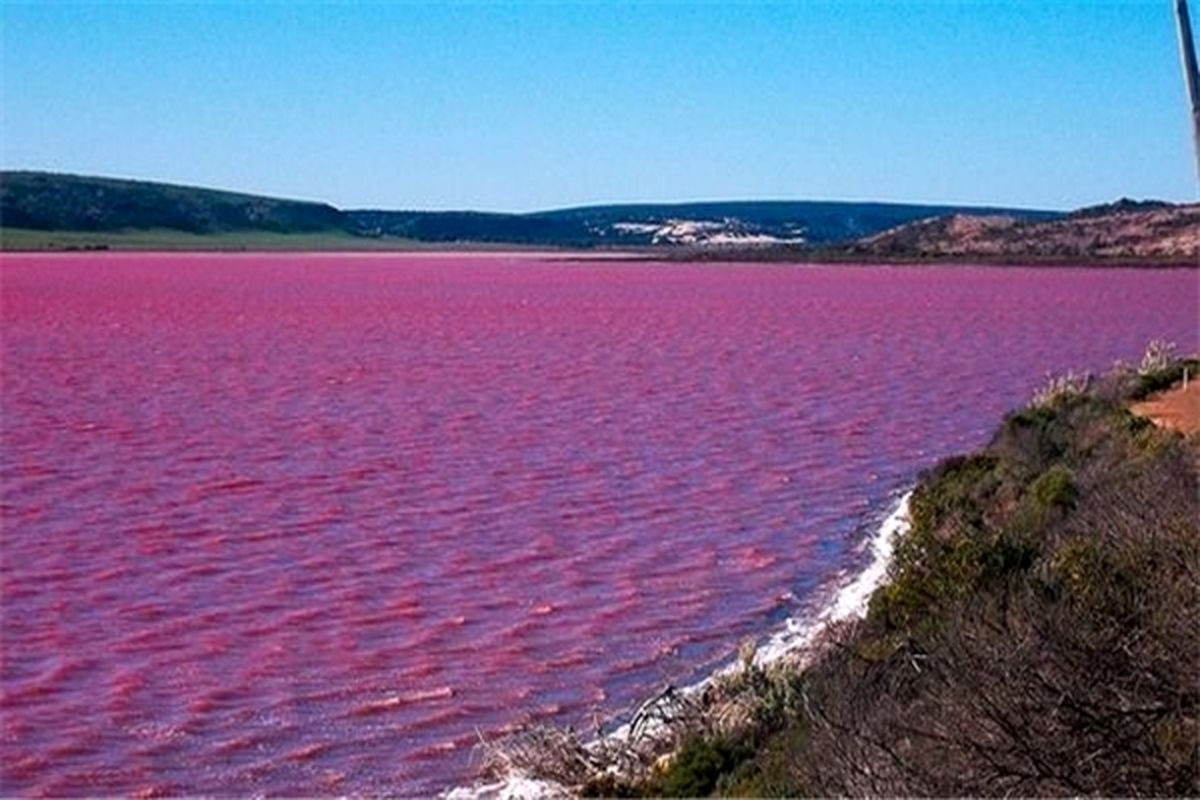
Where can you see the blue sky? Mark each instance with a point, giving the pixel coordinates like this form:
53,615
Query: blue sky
524,106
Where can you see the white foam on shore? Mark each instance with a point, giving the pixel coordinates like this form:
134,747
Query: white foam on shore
846,601
849,601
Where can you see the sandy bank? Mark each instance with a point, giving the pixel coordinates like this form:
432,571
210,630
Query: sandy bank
1177,409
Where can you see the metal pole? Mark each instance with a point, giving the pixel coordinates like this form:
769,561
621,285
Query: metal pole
1187,50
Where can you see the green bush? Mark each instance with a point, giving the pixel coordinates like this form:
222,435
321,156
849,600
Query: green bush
1055,488
697,766
955,489
1156,380
950,545
771,772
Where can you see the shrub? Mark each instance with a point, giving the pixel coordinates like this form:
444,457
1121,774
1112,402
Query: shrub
1061,387
1165,378
1055,488
1159,356
697,766
1032,439
771,773
1160,369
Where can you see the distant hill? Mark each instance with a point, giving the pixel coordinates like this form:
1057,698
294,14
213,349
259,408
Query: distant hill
761,222
59,203
468,226
40,210
1127,229
754,223
45,201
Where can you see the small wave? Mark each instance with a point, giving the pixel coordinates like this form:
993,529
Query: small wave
54,679
234,485
308,752
395,701
434,751
245,743
756,559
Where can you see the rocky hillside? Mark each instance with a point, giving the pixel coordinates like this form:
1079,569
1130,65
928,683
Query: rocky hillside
1121,230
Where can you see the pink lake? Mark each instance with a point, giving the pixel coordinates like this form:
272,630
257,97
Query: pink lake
299,525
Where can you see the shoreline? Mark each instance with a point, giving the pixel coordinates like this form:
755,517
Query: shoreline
1041,578
796,645
648,258
988,572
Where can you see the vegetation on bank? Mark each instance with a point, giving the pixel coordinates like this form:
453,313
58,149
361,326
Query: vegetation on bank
1037,634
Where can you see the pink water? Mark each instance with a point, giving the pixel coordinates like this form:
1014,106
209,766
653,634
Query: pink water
301,524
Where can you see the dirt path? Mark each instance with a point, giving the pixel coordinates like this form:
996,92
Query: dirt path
1178,409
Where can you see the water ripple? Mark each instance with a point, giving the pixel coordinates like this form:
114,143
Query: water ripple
300,525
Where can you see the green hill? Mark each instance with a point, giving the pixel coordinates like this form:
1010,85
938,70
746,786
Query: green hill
49,202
